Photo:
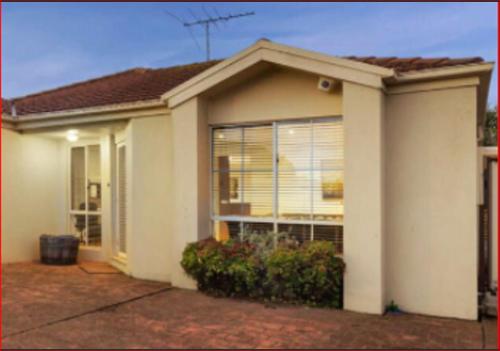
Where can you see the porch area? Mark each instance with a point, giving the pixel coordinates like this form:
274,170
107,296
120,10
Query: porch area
77,179
65,307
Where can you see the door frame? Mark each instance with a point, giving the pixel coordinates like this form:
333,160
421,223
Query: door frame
485,227
115,244
491,200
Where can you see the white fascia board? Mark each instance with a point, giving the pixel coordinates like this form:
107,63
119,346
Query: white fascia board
440,84
443,72
91,110
343,62
94,119
92,116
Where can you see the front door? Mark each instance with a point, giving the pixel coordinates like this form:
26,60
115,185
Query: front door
120,237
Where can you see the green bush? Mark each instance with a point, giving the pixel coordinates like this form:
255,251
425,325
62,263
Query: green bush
223,269
310,273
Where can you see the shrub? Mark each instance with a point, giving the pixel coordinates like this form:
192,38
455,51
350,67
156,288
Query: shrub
311,274
265,243
223,269
253,267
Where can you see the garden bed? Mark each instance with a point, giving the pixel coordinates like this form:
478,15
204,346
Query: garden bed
267,268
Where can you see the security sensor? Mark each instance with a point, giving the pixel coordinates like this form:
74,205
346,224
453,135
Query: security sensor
326,84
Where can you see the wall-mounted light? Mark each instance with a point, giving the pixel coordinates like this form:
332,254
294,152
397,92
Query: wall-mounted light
72,135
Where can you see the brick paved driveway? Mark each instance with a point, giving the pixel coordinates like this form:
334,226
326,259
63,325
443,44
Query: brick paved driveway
64,307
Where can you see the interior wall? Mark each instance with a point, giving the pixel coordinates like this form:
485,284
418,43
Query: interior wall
431,202
32,195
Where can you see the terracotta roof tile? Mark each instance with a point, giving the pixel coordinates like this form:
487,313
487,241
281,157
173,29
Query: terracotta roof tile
142,84
138,84
6,106
414,63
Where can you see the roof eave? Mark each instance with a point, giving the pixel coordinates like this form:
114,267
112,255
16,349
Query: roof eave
92,110
84,115
441,72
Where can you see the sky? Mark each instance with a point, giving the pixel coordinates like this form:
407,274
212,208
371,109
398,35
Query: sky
46,45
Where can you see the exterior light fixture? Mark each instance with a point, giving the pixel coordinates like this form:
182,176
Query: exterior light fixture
72,135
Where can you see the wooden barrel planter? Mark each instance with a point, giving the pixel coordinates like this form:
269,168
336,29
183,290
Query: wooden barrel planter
58,249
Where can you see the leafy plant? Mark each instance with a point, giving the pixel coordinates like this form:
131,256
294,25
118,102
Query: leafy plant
490,127
311,274
224,269
265,243
392,307
267,266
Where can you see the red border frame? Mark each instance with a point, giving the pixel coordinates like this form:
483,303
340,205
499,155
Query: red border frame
1,334
498,141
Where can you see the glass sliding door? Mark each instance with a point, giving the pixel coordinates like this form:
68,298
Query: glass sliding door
85,194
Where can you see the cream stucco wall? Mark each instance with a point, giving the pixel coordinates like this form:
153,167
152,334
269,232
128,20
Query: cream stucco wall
190,160
150,200
275,95
431,212
363,198
32,198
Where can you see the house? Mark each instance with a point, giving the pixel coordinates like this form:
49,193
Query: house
378,155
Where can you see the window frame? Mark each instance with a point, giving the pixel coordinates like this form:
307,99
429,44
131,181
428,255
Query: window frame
275,220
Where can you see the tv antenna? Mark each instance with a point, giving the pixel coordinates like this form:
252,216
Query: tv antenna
206,23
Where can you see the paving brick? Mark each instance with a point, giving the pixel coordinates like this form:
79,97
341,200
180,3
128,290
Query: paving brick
35,295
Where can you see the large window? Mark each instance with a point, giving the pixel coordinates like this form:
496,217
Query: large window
285,176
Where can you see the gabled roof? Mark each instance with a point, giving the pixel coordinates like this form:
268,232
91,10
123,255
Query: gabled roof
372,72
143,84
